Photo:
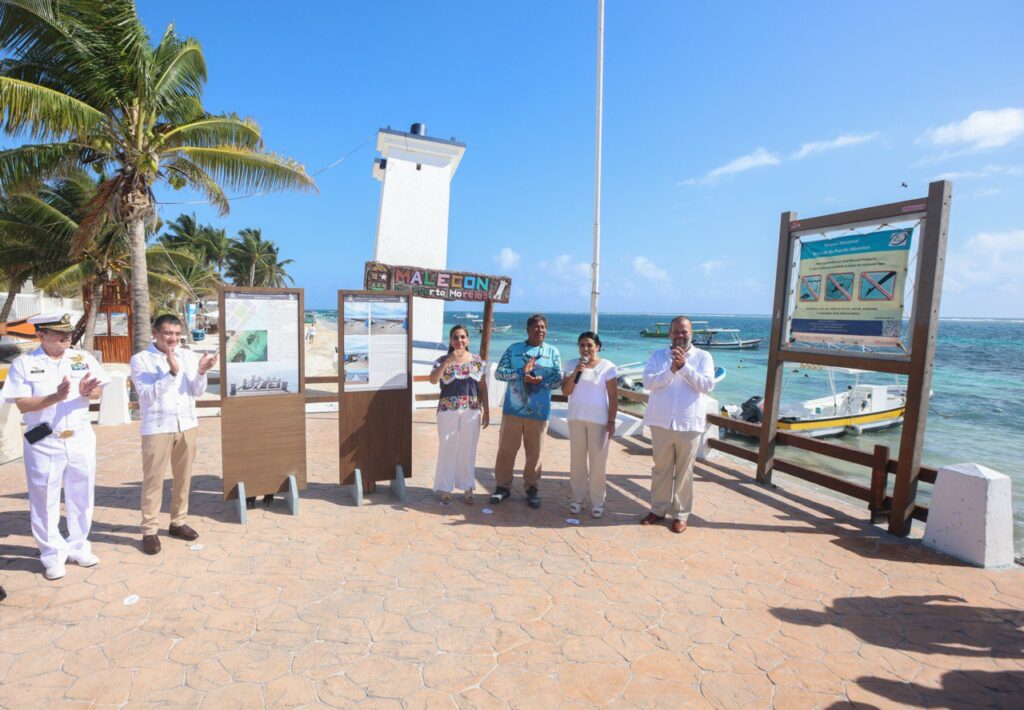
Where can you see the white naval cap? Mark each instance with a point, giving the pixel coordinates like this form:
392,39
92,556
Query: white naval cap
60,322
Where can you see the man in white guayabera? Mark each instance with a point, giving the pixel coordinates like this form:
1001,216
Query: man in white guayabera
677,377
168,379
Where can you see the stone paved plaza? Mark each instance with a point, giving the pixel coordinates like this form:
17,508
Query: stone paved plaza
772,597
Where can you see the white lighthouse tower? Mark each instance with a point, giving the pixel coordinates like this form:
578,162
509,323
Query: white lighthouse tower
412,226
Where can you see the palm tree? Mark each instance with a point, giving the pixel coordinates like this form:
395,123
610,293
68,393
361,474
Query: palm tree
34,240
54,213
185,232
253,261
83,80
216,248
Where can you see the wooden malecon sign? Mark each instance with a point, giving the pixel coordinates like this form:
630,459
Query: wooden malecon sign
437,283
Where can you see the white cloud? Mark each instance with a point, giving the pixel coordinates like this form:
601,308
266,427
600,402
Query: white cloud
709,267
562,276
990,261
987,171
982,129
507,258
758,158
649,270
841,142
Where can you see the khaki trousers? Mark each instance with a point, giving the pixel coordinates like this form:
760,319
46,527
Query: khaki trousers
672,474
515,431
180,448
588,457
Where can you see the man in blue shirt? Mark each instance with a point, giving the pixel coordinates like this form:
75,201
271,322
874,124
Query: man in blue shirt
531,369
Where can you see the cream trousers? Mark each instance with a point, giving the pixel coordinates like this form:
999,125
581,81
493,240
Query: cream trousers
588,457
672,474
458,433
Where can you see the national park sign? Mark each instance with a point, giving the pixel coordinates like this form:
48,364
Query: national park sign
437,283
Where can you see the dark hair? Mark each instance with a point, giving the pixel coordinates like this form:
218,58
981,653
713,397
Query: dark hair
166,318
681,318
452,332
592,335
536,318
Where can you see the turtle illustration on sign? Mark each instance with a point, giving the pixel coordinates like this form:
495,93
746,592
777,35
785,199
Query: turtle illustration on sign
810,287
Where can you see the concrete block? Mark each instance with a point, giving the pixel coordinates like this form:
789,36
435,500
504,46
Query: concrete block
10,433
971,515
114,402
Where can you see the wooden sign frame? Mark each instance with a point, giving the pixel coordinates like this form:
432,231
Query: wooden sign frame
933,210
263,437
374,426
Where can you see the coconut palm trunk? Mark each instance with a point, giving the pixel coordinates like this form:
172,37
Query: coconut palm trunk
139,285
89,336
17,282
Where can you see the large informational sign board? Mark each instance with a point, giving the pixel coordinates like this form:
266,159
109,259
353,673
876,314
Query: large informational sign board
263,414
850,289
374,385
375,332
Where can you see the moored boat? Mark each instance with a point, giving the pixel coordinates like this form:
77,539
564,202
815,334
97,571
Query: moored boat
724,339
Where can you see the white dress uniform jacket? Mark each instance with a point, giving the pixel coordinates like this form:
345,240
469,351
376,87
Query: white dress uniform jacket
67,456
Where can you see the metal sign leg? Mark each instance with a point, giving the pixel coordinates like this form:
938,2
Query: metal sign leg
292,495
357,487
243,515
398,485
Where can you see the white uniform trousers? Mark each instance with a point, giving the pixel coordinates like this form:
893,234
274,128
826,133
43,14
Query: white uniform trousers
588,458
458,432
50,462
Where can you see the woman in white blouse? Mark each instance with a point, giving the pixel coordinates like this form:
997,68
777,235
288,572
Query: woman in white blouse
590,384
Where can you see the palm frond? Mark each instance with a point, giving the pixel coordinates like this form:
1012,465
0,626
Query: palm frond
43,113
247,170
25,23
73,275
216,131
180,68
33,209
200,181
30,164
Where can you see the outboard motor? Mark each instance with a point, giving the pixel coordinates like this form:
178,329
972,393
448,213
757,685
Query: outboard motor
752,411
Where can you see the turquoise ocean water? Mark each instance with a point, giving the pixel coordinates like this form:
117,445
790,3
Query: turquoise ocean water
975,413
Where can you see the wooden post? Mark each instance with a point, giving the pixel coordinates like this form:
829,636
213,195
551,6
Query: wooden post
773,382
879,482
924,324
485,332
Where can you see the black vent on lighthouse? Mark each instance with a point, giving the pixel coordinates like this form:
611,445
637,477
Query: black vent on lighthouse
418,129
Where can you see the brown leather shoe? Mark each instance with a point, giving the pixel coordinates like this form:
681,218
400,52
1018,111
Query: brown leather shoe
651,519
150,544
678,526
182,531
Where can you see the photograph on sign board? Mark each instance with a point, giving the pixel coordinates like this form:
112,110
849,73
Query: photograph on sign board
263,382
357,360
119,324
247,345
389,318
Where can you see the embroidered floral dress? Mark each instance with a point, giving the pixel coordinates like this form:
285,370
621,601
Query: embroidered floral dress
460,385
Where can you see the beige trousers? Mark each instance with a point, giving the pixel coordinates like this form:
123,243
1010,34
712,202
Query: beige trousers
588,457
180,449
672,474
515,431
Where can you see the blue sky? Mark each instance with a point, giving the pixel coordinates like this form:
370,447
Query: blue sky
718,117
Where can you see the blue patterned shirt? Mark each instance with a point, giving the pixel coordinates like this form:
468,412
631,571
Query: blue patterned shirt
521,399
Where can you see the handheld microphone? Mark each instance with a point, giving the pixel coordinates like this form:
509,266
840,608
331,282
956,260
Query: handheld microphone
576,380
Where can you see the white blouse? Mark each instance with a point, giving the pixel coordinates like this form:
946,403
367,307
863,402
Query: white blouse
589,399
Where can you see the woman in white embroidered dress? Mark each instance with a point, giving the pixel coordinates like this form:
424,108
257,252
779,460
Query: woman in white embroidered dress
461,412
590,384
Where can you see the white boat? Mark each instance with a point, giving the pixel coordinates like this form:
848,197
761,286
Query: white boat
723,339
854,410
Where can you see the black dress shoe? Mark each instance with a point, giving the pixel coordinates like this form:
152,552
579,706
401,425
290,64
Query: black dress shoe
500,494
150,544
182,532
250,502
533,497
3,594
268,499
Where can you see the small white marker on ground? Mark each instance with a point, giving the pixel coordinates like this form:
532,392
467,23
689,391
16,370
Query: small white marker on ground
486,511
572,521
130,599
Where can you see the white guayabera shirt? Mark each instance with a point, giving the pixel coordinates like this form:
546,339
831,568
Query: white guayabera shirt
677,398
167,402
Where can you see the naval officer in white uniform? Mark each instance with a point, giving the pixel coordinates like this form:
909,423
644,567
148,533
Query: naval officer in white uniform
52,386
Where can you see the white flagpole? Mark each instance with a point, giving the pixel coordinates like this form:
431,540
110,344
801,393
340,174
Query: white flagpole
595,266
